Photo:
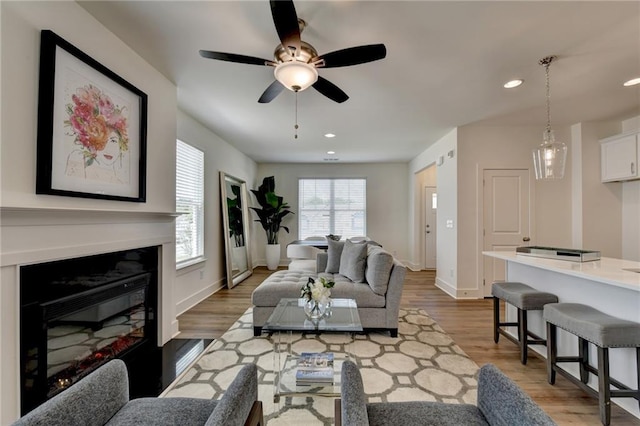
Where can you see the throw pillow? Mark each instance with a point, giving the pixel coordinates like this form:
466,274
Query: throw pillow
353,261
334,251
379,264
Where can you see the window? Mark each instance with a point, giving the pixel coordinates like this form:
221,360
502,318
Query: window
190,203
332,206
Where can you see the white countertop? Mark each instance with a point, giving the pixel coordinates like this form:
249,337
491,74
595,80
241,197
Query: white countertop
607,270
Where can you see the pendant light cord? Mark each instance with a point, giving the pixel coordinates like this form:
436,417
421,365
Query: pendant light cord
546,71
546,62
296,118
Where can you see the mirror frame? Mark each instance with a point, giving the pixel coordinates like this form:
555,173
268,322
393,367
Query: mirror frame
233,280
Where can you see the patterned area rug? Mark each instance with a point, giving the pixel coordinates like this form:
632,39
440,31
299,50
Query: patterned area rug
423,363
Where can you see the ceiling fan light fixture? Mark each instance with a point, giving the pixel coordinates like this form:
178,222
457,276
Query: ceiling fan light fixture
296,76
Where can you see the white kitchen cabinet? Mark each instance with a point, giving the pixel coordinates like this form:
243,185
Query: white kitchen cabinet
619,157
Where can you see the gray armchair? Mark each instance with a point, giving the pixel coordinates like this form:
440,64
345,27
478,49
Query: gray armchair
500,402
102,398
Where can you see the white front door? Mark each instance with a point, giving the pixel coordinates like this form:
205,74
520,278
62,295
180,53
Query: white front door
506,207
430,209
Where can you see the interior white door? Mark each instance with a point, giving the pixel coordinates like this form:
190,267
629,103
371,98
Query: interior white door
506,208
430,228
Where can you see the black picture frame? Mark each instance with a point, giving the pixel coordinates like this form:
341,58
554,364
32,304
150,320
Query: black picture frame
92,127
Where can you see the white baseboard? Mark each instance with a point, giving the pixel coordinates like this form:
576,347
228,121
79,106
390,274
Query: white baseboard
191,301
175,328
468,293
446,287
411,265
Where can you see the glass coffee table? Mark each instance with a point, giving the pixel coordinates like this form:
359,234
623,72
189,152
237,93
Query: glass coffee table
288,318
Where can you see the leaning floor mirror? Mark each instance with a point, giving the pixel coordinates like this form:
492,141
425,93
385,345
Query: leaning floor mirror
235,214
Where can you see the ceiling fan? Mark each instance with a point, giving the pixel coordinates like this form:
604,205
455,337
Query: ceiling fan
296,61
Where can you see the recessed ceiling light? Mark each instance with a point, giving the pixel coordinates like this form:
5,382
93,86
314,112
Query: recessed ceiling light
632,82
331,152
513,83
329,135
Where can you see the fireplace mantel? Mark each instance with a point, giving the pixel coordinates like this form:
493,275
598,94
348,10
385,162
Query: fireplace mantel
36,216
32,235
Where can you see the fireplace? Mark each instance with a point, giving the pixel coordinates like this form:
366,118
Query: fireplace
77,314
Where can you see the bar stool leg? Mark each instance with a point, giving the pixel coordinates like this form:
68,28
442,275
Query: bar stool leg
583,354
551,353
522,335
604,388
496,319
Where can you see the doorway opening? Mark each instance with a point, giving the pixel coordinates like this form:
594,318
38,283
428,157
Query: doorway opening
430,226
426,180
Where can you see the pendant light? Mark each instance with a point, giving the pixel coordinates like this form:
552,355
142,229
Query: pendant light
549,158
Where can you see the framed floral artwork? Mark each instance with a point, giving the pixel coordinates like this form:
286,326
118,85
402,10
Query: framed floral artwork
92,127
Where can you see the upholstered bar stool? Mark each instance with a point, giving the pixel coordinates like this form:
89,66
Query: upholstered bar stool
524,298
604,331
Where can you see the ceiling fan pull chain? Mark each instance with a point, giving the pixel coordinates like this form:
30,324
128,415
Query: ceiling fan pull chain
296,126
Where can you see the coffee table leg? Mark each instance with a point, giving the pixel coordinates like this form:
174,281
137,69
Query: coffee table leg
349,346
276,367
278,363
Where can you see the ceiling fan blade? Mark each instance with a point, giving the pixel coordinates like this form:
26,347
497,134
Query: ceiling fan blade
232,57
286,21
272,91
330,90
352,56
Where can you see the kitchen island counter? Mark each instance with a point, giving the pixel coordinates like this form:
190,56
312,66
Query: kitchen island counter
608,285
607,270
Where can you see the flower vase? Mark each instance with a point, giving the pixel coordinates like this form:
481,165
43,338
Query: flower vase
327,307
313,309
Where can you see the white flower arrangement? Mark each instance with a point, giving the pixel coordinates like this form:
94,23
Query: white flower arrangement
320,290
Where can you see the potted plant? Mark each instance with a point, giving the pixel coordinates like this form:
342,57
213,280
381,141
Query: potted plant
270,214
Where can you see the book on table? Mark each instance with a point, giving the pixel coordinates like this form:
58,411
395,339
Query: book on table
315,369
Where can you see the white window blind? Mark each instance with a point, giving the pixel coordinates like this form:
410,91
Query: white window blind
332,206
189,202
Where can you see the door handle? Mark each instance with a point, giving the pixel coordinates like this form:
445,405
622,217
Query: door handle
525,239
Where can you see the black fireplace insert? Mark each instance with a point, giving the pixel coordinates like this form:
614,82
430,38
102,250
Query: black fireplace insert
77,314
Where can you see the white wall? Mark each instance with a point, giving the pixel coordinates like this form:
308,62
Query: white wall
597,206
446,187
493,147
37,228
631,220
477,148
21,25
194,283
387,200
631,206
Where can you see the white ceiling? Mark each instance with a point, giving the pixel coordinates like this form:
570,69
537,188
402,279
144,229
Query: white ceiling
445,66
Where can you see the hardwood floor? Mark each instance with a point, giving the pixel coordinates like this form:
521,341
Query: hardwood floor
469,322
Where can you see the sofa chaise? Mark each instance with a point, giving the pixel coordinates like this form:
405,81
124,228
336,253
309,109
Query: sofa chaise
364,272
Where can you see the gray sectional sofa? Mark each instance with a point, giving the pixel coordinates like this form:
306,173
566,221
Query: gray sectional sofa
364,272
